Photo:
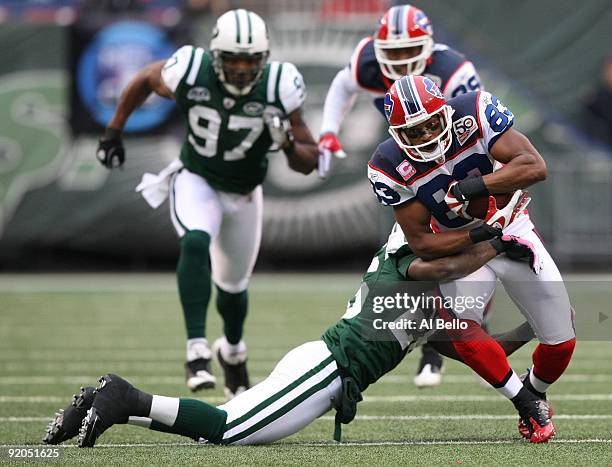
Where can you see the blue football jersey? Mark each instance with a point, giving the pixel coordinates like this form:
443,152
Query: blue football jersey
479,119
449,69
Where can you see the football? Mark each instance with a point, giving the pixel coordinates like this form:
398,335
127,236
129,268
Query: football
477,207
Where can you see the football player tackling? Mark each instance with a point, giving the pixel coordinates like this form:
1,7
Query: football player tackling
308,381
442,155
402,44
237,107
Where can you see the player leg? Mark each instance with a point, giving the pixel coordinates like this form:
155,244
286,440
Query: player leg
543,300
485,355
196,214
301,388
233,255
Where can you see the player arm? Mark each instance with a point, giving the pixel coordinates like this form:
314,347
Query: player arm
414,219
302,153
452,267
523,164
146,81
339,101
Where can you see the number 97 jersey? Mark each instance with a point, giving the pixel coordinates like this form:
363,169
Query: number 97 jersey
478,121
227,141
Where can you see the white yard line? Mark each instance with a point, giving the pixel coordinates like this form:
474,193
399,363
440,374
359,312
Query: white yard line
333,444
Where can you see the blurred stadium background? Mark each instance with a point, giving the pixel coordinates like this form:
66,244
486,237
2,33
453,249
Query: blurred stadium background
64,62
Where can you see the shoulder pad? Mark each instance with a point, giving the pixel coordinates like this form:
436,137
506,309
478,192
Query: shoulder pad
176,66
384,173
291,87
365,69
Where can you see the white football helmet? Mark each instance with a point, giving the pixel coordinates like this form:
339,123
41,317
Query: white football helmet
239,35
403,27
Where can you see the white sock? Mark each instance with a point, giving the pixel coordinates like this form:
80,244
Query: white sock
537,383
198,348
164,409
233,353
512,386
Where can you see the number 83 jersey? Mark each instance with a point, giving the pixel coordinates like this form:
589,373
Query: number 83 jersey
227,140
479,119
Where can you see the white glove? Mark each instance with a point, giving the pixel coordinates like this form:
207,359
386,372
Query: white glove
279,127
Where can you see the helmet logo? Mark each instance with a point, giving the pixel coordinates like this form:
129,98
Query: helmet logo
432,88
388,105
422,22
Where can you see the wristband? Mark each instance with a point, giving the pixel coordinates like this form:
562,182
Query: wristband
484,232
111,134
471,188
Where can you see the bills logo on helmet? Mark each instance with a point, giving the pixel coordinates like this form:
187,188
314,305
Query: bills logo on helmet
464,128
422,21
388,105
432,88
406,170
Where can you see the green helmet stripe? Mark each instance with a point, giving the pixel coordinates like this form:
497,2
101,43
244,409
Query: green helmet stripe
237,26
250,27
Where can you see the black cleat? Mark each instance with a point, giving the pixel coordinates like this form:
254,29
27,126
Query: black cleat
65,424
535,422
112,405
524,427
236,374
199,375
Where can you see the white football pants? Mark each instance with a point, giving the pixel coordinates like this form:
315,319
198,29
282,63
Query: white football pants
233,222
541,298
299,390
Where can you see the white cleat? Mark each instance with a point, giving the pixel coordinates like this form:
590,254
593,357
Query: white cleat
429,377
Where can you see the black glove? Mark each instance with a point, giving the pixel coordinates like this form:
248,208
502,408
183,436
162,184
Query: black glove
110,151
518,249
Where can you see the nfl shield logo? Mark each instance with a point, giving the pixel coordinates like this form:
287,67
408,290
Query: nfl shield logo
228,102
406,170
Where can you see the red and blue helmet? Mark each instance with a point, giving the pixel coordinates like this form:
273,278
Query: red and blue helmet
403,27
411,101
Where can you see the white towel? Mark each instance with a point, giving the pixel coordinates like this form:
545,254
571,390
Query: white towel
154,188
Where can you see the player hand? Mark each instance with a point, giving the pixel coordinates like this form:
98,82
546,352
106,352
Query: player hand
279,127
110,151
456,202
329,147
519,249
502,218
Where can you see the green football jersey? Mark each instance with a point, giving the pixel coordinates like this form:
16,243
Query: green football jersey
227,141
359,346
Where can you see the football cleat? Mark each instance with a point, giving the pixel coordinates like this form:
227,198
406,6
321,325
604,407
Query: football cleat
65,424
197,368
523,429
234,367
535,423
199,375
429,373
110,406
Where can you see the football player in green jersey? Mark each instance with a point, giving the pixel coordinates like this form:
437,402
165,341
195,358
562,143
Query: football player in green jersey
237,106
311,379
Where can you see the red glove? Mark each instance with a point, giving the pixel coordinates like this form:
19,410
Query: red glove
328,146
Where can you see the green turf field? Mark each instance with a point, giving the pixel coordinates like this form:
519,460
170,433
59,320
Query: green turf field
60,332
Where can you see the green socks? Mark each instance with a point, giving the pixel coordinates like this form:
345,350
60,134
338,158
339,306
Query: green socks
193,274
233,309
